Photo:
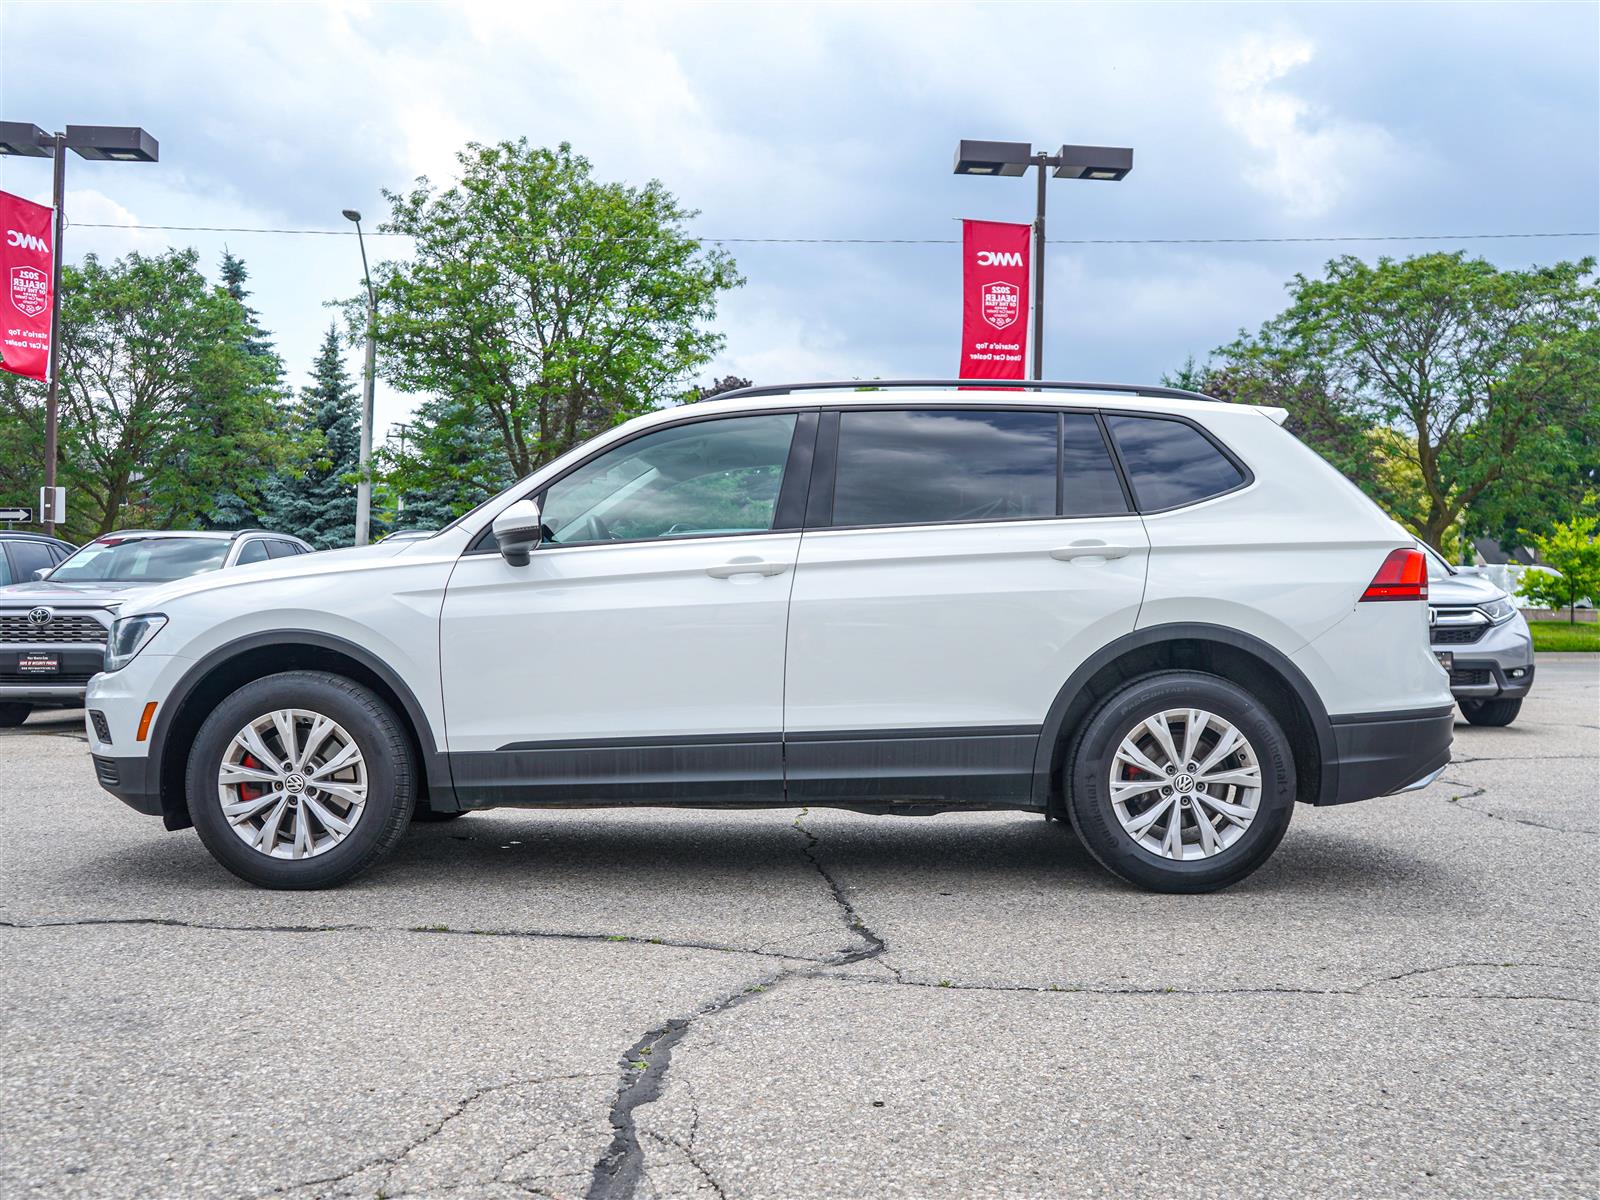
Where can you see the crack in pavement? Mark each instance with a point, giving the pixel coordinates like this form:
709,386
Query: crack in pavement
1477,792
620,1168
393,1161
425,930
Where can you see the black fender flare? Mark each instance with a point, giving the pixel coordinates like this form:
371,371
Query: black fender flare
1269,656
441,789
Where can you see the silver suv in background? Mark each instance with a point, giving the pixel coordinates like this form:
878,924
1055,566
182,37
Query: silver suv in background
53,629
1482,639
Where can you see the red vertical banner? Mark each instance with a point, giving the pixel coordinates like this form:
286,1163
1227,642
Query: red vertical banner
994,299
25,286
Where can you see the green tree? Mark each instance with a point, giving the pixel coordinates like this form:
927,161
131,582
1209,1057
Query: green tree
1487,374
162,406
317,499
1571,548
229,509
543,305
453,461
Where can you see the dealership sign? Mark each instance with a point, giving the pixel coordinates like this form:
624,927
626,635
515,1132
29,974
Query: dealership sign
25,275
994,299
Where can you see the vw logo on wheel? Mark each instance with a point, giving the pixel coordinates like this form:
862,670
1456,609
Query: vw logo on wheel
295,783
1183,781
40,616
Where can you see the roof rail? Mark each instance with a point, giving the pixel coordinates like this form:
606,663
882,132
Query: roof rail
1058,385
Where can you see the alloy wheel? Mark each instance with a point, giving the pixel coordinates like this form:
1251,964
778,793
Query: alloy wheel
1185,784
292,783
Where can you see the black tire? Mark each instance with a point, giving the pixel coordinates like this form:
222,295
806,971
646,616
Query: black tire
14,713
391,779
1491,712
1088,781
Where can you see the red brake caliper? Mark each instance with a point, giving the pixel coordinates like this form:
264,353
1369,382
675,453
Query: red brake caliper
250,791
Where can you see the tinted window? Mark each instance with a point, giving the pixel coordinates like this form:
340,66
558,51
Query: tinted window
28,557
255,550
5,567
1089,485
695,480
1170,463
924,466
278,548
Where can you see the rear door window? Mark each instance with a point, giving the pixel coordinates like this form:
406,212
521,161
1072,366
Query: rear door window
935,466
278,548
28,557
1170,463
255,550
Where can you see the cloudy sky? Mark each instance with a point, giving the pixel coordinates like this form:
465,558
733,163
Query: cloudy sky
840,121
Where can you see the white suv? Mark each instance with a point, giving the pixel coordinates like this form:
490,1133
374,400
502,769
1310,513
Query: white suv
1156,615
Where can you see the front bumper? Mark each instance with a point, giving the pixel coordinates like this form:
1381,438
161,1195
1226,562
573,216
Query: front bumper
1378,754
77,663
130,780
1482,669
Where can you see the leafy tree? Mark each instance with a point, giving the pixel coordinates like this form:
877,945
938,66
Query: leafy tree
1571,548
161,402
707,391
544,306
317,501
1485,373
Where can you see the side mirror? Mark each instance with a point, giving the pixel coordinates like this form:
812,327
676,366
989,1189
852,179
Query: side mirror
41,572
517,530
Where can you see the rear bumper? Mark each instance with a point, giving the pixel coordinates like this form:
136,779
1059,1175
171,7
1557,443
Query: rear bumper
1377,754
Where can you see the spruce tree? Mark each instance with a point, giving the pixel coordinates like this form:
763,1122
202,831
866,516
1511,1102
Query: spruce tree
319,502
231,509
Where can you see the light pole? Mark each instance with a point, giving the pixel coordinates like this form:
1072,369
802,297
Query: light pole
110,143
364,484
1109,163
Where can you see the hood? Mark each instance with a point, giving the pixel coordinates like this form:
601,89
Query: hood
325,562
1456,591
42,591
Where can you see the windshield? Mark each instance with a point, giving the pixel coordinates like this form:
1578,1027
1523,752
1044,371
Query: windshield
1437,567
141,560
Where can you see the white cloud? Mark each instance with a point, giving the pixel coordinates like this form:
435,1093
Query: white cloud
1304,158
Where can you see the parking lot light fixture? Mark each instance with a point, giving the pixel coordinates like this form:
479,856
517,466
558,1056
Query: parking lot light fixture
1104,163
109,143
364,484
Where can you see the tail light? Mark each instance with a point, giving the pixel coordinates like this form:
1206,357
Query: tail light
1403,576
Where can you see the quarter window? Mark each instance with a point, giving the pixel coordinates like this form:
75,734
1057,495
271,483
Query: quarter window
700,479
1170,463
925,466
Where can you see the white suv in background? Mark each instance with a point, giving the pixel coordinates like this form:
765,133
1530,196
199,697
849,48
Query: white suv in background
1156,615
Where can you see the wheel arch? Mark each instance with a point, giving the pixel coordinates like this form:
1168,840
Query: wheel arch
237,663
1214,649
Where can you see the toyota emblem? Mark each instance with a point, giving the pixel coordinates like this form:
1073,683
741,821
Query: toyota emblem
40,616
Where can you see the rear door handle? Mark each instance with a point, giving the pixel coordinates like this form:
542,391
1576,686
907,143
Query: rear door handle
1090,549
746,566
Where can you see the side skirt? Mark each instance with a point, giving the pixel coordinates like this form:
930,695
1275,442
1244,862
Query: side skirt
903,770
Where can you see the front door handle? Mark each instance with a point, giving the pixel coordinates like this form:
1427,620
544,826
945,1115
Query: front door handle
1088,548
746,566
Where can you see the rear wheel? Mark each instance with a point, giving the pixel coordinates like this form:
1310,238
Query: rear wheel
14,713
1491,712
1180,782
300,780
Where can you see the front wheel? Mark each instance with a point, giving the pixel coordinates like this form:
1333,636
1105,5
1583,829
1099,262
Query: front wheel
300,780
1491,712
1181,782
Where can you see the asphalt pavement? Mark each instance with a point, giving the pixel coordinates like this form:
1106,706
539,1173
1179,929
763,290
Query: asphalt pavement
660,1003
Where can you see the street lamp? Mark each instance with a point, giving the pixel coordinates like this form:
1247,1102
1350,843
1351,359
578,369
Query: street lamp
1107,163
364,484
113,143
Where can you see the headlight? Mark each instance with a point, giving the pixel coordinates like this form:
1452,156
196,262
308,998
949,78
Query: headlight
1499,611
129,636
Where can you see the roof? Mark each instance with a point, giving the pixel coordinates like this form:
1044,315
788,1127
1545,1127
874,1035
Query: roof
1007,386
20,535
221,535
